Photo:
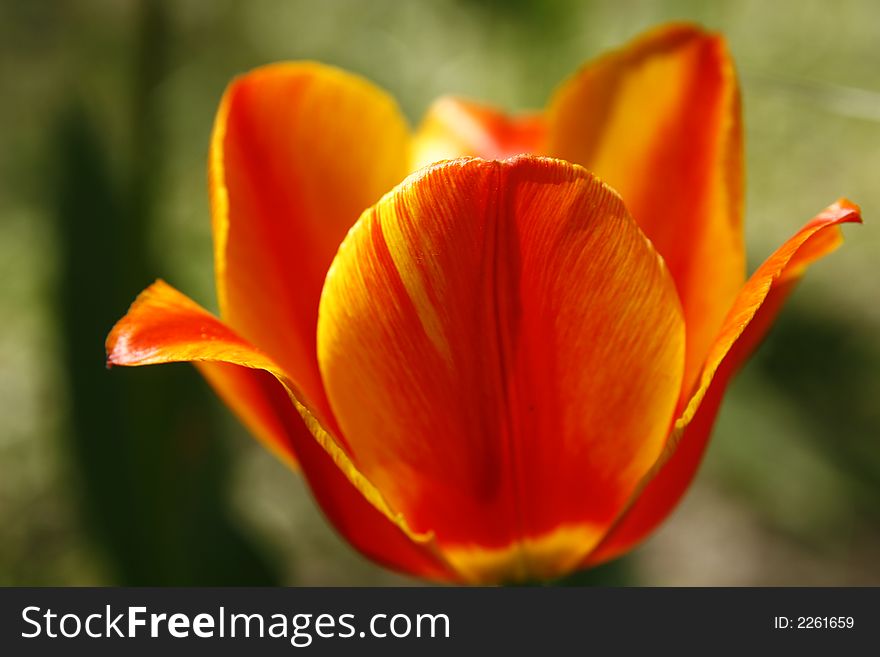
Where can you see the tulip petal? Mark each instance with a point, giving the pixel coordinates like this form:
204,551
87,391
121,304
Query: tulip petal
299,150
503,351
165,326
659,121
453,127
746,324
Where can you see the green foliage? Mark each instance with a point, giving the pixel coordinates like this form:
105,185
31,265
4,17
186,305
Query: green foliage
152,474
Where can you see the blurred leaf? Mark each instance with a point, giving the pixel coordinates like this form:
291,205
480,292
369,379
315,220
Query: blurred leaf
153,476
830,369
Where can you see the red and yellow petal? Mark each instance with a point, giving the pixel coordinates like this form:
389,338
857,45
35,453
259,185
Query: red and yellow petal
503,350
453,128
659,121
299,150
164,326
746,324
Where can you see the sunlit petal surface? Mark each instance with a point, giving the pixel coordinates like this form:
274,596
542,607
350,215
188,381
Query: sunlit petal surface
659,121
298,151
503,351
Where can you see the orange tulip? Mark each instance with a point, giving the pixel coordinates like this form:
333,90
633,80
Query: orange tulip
505,369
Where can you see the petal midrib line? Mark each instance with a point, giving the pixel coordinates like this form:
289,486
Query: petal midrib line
503,281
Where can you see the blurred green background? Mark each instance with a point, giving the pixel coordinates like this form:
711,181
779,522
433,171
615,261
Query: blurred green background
142,477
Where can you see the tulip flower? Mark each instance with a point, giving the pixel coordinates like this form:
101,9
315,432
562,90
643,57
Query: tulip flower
506,365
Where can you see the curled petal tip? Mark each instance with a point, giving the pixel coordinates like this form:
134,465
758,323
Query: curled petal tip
843,211
117,345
